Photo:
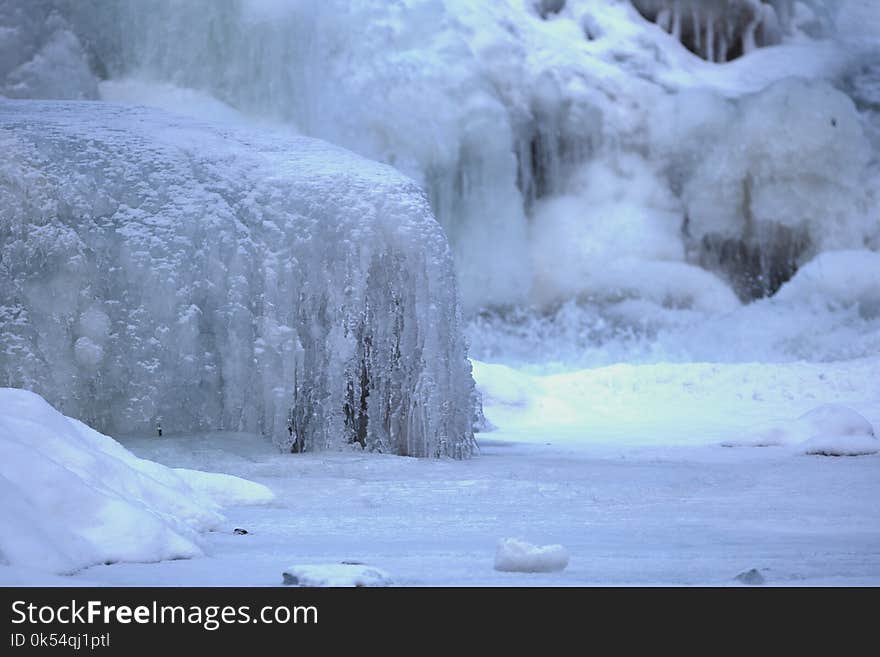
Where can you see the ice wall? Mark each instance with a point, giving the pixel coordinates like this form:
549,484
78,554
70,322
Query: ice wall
159,270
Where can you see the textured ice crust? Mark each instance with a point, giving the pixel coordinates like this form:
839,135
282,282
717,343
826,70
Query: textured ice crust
158,270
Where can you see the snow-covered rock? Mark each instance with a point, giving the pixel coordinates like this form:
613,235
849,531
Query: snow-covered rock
513,555
837,430
752,577
828,430
73,497
335,575
161,270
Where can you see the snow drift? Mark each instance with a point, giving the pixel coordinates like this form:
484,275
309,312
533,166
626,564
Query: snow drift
159,270
73,497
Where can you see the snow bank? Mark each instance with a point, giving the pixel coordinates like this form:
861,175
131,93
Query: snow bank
224,489
518,556
336,575
828,430
73,497
165,271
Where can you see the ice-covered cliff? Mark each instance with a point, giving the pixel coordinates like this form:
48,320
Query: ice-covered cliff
519,117
632,158
158,270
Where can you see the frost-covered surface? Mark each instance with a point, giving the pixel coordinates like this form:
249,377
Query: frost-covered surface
162,271
516,556
335,574
73,497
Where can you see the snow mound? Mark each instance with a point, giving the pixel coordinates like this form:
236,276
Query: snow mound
73,497
335,574
838,431
166,271
829,430
513,555
838,279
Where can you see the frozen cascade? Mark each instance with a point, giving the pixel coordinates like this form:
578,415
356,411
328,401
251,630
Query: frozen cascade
572,150
159,270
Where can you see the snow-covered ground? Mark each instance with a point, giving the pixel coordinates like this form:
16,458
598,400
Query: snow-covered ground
622,466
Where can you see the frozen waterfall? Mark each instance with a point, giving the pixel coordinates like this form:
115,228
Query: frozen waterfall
160,271
616,176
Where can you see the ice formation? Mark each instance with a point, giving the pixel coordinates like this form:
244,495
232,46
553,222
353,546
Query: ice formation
789,179
607,193
73,497
158,270
517,115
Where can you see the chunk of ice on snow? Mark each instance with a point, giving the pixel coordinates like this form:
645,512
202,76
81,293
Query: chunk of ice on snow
335,574
514,555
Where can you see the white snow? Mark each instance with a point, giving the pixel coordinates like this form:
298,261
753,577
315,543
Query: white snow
335,574
516,556
73,498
